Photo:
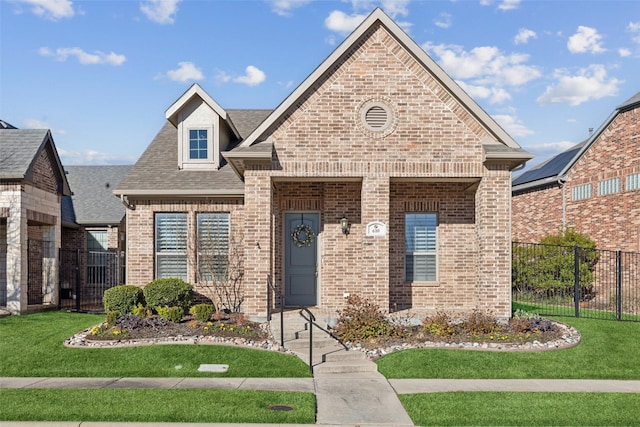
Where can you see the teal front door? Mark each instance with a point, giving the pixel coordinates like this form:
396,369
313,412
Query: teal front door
301,258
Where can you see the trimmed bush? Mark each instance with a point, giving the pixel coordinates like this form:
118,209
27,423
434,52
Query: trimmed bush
169,292
112,317
171,314
202,312
363,320
123,298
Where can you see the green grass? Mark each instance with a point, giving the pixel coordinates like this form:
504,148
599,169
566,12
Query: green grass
568,310
32,346
609,350
127,405
522,409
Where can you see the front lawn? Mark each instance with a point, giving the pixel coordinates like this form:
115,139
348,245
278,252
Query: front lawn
154,406
522,409
32,346
609,350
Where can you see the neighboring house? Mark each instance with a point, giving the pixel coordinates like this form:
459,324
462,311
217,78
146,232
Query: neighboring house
377,176
594,187
92,235
32,184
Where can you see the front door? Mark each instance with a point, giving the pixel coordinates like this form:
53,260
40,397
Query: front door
301,258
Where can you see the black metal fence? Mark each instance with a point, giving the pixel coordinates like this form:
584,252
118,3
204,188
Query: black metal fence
574,281
84,276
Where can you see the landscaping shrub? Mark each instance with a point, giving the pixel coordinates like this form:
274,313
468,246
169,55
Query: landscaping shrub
141,311
202,312
122,298
440,325
171,314
480,323
168,292
364,320
112,317
548,269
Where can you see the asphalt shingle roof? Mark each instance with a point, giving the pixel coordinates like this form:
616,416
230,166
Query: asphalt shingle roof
93,201
18,149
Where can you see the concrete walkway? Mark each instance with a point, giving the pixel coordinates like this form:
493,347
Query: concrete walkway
363,399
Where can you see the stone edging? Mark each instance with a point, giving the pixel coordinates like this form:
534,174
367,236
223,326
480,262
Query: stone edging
570,338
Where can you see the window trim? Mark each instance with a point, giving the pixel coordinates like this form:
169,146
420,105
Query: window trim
426,253
172,252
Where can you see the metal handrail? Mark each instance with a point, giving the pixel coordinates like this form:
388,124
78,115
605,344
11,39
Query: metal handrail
311,319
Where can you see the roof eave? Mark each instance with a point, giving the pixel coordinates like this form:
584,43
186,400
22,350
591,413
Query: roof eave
533,184
182,193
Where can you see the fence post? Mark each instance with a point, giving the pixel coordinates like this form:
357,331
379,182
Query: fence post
618,285
576,279
77,268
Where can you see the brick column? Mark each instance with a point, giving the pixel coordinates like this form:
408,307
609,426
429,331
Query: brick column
493,224
258,243
374,256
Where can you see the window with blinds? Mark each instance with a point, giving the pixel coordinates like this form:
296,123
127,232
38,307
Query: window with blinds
420,247
171,245
610,186
213,246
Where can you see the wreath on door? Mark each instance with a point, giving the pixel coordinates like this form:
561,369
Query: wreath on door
302,236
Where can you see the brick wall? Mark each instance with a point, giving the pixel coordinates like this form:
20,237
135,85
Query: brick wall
613,220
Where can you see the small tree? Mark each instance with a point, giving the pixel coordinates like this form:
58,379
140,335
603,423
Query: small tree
548,269
220,269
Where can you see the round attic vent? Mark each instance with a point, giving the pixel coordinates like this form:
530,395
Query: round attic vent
376,118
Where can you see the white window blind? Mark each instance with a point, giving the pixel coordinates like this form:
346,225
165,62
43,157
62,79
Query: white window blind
420,247
213,246
171,245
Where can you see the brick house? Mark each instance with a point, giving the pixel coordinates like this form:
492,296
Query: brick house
32,184
594,187
377,176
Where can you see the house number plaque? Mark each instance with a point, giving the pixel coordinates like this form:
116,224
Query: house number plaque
376,229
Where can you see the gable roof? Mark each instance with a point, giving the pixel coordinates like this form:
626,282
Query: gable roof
557,168
509,149
19,151
195,91
93,201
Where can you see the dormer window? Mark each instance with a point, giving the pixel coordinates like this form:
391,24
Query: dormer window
198,144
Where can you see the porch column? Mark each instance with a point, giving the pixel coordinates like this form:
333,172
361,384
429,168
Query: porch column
17,259
375,252
259,240
493,222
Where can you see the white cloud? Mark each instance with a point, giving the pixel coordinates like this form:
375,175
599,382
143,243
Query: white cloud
557,147
92,157
524,35
393,8
585,40
35,124
284,7
503,5
486,64
634,27
509,4
624,52
160,11
443,21
513,125
589,83
253,76
85,58
495,95
185,72
51,9
342,23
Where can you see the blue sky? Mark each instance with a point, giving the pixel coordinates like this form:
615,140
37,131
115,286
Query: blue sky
100,74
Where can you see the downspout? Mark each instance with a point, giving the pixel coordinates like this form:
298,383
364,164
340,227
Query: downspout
561,182
126,203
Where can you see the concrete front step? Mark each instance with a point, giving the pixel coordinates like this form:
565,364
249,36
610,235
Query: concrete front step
345,367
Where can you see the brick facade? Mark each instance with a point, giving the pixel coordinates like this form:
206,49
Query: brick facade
612,220
328,159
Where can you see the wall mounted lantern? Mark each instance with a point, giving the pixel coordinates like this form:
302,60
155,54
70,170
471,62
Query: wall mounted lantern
344,224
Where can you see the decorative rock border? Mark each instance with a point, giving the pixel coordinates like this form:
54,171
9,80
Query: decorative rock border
570,338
